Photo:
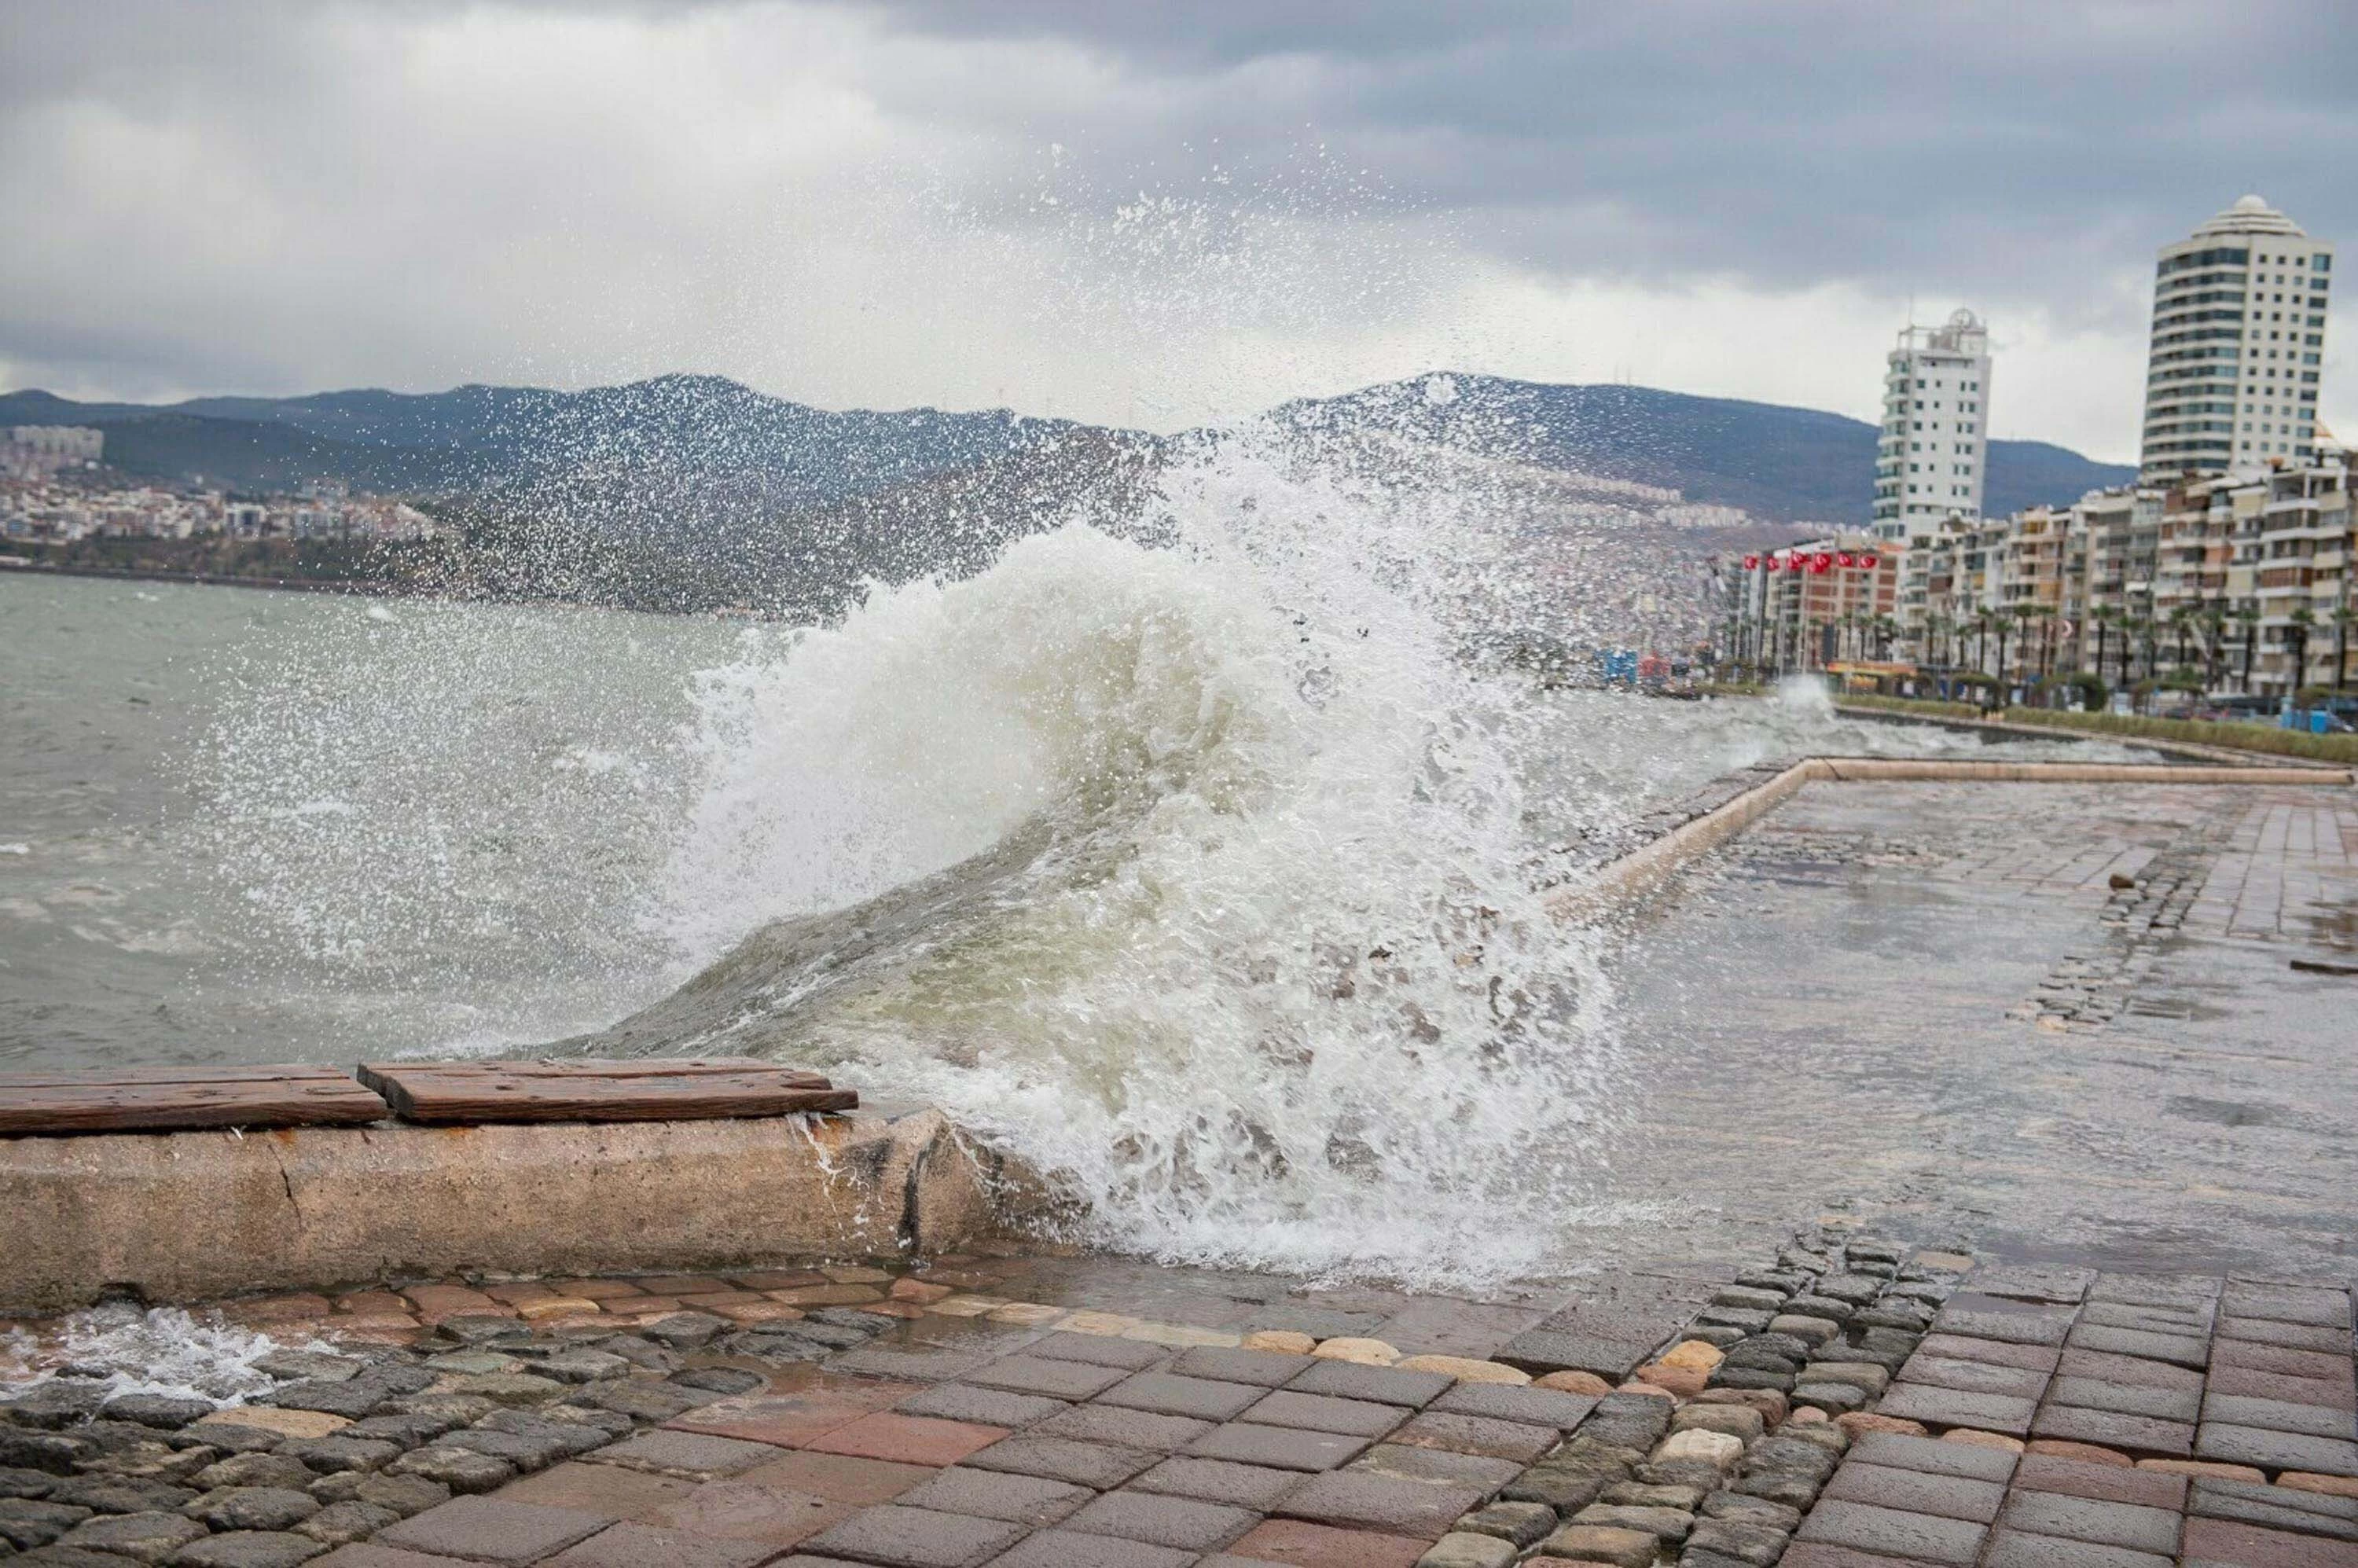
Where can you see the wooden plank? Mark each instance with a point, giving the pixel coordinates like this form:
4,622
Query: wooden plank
162,1099
636,1091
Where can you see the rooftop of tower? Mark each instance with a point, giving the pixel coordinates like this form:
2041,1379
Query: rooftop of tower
2250,215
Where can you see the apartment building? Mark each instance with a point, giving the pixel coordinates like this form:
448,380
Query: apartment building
1930,454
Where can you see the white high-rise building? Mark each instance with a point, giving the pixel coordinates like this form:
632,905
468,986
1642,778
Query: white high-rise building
2238,339
1933,452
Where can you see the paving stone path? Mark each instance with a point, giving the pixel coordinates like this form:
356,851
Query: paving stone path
1854,1404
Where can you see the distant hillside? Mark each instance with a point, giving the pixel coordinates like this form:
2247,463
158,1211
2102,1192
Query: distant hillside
681,445
686,438
1780,464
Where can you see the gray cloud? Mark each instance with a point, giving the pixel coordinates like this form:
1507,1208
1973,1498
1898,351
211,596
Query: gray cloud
938,201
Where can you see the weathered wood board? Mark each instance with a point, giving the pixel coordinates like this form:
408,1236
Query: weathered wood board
689,1089
168,1099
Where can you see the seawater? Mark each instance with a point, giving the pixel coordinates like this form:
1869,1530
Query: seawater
1194,862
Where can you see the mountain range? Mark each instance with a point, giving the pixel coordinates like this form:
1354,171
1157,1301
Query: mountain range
709,444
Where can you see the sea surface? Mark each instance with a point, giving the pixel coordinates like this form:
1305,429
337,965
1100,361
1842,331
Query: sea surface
1208,877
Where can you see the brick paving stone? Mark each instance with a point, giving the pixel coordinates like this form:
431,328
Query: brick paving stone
1270,1369
2291,1336
1894,1534
741,1511
2128,1399
1054,1378
1532,1407
698,1456
838,1477
1278,1447
491,1530
1097,1466
1958,1406
2276,1450
1167,1393
1932,1456
1301,1544
900,1537
914,1364
2320,1305
1989,1317
1253,1486
2106,1483
362,1555
2094,1519
1616,1544
1123,1428
1998,1352
987,1494
2157,1289
1438,1466
1381,1385
2277,1508
2174,1320
1067,1548
907,1439
1914,1491
2227,1544
598,1488
2178,1350
634,1545
985,1407
1477,1434
1825,1554
1318,1412
2023,1549
1100,1350
1164,1519
2033,1282
2280,1415
2226,1380
1542,1350
2283,1361
1368,1500
791,1419
2106,1367
2111,1429
1974,1377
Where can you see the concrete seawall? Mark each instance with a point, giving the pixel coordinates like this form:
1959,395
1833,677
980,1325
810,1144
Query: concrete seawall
1644,869
187,1215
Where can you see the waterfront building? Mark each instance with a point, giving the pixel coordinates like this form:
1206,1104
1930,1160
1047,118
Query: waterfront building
2299,564
1930,456
2238,344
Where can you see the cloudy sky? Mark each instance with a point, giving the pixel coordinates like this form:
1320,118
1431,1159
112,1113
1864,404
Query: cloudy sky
1144,213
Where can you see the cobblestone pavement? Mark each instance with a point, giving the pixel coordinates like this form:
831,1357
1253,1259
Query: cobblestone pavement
1930,1004
1852,1403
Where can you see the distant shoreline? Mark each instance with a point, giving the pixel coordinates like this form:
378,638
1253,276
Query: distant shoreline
366,588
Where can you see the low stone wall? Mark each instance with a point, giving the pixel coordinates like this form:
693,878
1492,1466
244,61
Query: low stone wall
1717,813
186,1215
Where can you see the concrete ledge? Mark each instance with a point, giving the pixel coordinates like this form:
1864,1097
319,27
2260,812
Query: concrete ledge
1646,869
1852,770
188,1215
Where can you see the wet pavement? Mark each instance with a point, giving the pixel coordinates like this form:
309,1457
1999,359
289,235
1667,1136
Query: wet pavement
1929,1006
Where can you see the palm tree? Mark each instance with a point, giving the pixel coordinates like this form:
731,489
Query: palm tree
2342,619
2214,621
2248,617
2104,619
2296,634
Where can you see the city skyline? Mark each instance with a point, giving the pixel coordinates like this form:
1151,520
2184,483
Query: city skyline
1086,215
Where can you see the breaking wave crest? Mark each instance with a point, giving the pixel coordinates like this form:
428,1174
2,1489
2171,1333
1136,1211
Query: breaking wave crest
1193,873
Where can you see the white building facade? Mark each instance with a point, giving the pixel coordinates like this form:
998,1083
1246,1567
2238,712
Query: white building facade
1932,455
2238,342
